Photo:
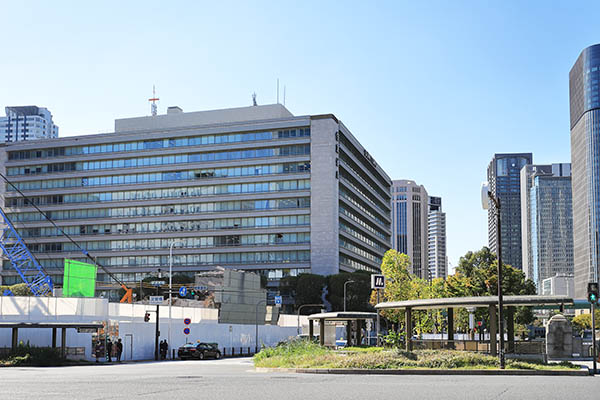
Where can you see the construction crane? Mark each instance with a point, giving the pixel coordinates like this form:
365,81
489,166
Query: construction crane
30,270
23,261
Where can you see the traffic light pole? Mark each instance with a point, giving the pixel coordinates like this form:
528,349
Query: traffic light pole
594,354
378,322
157,335
496,202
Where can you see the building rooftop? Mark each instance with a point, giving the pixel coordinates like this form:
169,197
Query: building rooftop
176,118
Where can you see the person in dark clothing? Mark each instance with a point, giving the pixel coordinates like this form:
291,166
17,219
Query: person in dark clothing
165,349
119,350
99,350
109,346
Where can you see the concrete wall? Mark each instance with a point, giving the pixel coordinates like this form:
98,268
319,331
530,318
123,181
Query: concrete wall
137,335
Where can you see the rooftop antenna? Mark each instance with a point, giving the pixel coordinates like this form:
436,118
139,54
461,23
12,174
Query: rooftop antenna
154,99
284,95
277,90
254,99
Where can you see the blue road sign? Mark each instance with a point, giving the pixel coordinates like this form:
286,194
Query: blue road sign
183,291
186,331
278,301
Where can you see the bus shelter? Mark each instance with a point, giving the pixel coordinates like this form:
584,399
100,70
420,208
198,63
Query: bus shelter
489,302
341,316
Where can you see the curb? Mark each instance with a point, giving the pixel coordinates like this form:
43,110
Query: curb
466,372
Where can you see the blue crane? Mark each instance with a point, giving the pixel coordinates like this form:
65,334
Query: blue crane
30,270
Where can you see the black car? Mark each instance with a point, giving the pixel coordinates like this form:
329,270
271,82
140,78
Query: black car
199,351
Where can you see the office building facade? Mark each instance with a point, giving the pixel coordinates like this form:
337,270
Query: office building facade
409,224
551,224
504,173
27,123
584,100
251,188
436,239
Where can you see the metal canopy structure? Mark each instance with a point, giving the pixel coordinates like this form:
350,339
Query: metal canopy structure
345,316
15,326
482,301
489,302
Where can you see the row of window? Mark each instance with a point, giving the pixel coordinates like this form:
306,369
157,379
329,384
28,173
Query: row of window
352,263
159,143
369,163
357,250
357,204
351,165
348,179
362,238
292,150
148,194
188,243
361,222
192,260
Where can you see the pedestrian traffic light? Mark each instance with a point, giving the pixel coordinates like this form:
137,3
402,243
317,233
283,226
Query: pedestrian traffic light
147,317
593,292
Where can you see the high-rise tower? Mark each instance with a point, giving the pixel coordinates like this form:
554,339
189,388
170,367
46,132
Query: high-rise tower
584,99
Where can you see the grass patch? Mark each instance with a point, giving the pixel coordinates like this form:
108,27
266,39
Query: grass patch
33,356
304,354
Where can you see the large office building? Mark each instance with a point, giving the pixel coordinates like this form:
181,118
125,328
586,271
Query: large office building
551,226
251,188
584,99
504,173
409,224
27,123
436,239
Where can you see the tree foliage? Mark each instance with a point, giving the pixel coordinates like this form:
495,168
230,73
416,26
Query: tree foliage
357,293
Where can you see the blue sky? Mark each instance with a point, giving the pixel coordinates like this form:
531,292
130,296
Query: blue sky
431,88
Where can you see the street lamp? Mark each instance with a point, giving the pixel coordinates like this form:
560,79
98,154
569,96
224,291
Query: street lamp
345,283
300,308
256,342
171,284
486,196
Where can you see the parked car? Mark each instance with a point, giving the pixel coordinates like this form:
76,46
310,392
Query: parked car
199,351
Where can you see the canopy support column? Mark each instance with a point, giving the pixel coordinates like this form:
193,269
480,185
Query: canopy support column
493,330
408,328
450,328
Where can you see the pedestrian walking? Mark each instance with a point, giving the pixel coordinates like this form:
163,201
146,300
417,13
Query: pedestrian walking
165,350
99,351
119,350
109,346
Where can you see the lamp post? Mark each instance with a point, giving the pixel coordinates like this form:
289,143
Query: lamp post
256,342
171,284
300,308
486,197
346,283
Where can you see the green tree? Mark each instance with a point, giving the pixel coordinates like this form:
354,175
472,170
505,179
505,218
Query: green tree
394,268
358,292
19,289
304,289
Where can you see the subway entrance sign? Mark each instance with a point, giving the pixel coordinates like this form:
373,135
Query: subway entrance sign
79,279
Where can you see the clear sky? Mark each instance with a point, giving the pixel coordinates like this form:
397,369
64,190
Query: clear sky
431,88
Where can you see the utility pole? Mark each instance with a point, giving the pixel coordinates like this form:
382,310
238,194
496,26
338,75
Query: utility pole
496,202
157,335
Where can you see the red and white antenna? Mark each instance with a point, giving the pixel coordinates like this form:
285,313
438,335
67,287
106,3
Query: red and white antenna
154,99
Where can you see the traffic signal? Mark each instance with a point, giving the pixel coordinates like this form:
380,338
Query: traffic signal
593,292
147,317
192,293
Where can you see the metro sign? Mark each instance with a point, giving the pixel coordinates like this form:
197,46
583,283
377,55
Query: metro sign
377,281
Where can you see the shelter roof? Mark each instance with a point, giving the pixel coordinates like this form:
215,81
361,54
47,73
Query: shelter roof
343,315
481,301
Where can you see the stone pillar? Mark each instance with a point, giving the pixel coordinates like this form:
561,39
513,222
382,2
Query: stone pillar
322,331
53,338
451,328
493,330
15,338
408,328
63,342
510,328
311,329
559,338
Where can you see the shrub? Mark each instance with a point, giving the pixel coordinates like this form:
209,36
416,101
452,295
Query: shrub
25,354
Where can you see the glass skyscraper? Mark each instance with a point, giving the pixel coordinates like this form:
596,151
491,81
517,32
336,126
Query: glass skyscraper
504,175
584,99
551,224
251,188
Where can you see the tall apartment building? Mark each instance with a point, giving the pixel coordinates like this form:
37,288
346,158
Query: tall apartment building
27,123
251,188
504,173
551,224
584,99
409,224
436,239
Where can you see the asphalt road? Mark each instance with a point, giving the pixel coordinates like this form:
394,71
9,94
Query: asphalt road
236,379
